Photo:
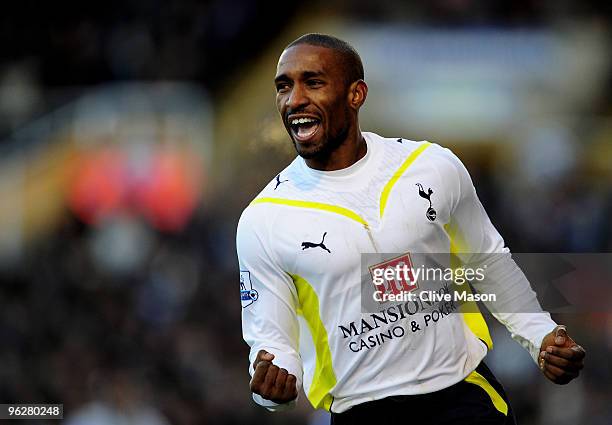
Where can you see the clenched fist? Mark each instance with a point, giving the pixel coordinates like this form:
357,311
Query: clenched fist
561,359
272,382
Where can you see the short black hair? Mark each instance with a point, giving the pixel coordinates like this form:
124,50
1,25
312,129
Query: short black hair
350,58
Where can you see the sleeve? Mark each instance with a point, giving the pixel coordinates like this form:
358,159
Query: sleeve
479,244
269,300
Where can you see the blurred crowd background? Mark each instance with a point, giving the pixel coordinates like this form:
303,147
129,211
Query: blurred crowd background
133,133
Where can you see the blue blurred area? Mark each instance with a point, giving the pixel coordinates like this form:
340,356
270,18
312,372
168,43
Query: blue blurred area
118,277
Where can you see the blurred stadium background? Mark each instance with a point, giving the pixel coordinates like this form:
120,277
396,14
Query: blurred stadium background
133,133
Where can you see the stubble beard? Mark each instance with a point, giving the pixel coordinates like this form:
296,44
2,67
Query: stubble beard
329,144
325,148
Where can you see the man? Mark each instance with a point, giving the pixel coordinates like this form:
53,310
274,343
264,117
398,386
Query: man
300,242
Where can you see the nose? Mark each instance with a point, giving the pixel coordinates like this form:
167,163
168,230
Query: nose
297,98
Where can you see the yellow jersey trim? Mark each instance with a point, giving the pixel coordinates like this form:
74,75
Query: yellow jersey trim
499,403
384,196
324,378
313,205
473,319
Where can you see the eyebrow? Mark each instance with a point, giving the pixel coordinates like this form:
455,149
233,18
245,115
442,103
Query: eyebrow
304,75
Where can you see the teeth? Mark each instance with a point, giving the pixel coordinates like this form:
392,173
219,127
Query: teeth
302,121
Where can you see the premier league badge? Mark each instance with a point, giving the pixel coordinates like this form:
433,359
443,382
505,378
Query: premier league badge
248,295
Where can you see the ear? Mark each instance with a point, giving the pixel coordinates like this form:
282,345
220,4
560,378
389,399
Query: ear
357,93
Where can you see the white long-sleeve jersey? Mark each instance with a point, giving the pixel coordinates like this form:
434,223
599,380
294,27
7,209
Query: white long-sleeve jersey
300,244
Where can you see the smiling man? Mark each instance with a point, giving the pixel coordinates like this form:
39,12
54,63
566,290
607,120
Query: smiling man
319,91
300,244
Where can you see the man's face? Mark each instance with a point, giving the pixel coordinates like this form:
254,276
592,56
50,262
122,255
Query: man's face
312,99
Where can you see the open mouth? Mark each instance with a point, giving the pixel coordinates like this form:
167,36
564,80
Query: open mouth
304,128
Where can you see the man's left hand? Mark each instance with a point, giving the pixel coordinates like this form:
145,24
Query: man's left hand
561,359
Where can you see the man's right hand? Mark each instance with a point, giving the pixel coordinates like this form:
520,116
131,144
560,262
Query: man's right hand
272,382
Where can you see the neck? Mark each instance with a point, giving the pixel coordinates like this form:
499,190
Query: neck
351,150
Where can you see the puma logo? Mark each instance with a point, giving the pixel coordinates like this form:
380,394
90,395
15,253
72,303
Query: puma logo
279,181
431,213
306,245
